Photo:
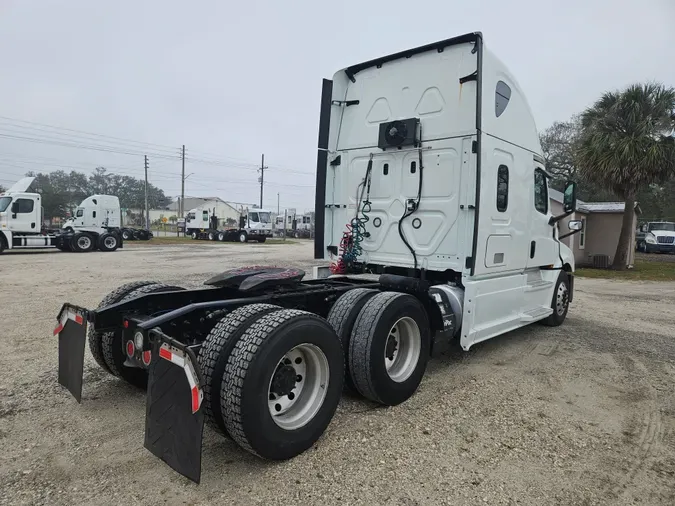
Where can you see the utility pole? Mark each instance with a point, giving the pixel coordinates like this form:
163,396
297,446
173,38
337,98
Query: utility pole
182,187
262,178
147,210
278,208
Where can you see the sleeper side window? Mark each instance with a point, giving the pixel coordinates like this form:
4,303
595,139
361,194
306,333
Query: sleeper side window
502,188
502,97
540,192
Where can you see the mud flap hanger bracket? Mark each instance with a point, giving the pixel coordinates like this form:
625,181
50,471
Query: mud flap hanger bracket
71,329
184,357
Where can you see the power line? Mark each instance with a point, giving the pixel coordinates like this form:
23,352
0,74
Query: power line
59,142
157,146
119,144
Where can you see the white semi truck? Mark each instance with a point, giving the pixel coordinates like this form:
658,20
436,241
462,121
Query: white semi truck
104,210
94,227
430,175
254,225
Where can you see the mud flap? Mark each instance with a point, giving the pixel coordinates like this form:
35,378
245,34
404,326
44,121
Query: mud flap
174,420
72,332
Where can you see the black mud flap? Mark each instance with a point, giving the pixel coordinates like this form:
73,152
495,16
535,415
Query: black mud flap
72,332
174,419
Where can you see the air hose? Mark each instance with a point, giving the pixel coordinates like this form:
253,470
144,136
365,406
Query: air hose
350,245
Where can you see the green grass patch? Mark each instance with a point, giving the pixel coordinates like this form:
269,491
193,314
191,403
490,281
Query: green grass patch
659,268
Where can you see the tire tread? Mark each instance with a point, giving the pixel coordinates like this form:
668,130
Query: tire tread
360,344
238,363
211,351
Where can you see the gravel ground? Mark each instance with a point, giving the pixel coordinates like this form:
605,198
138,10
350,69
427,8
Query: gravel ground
579,414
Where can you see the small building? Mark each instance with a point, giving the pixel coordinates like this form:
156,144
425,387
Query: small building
602,227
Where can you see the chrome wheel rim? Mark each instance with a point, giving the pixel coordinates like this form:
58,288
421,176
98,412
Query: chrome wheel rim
242,238
298,386
84,242
402,349
109,242
561,299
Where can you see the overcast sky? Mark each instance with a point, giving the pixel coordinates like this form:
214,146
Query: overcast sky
232,80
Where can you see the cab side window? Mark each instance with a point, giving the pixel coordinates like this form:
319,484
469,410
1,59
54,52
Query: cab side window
540,192
24,205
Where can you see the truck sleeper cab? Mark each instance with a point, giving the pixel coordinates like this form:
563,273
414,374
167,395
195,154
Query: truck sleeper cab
430,175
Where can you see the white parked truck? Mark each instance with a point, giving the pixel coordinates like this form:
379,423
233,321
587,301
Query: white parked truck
656,237
254,225
430,174
95,226
95,211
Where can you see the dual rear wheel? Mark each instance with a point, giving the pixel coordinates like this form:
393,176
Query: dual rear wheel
386,341
273,378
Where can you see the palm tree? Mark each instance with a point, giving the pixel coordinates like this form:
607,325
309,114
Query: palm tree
627,142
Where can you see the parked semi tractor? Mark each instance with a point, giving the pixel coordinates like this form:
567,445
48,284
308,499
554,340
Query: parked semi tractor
441,192
95,226
656,237
254,225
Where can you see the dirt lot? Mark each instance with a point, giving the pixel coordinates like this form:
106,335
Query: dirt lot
579,414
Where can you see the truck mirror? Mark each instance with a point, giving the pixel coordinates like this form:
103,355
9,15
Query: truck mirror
570,197
575,225
14,209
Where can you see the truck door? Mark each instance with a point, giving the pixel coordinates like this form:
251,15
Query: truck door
542,247
25,214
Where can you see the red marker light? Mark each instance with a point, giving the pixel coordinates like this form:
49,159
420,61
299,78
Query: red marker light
130,348
126,324
147,357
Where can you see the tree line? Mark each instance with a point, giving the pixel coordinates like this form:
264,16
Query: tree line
560,143
622,148
62,191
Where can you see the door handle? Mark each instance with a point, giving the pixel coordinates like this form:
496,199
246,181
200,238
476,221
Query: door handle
533,246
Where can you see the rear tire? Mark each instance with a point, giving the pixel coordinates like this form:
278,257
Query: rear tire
342,317
113,347
108,242
82,242
216,350
261,239
221,236
126,235
560,303
212,236
389,348
95,338
260,379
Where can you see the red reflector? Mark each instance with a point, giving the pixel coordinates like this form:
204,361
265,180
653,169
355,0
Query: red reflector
78,319
130,348
195,399
146,357
164,353
58,329
126,324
